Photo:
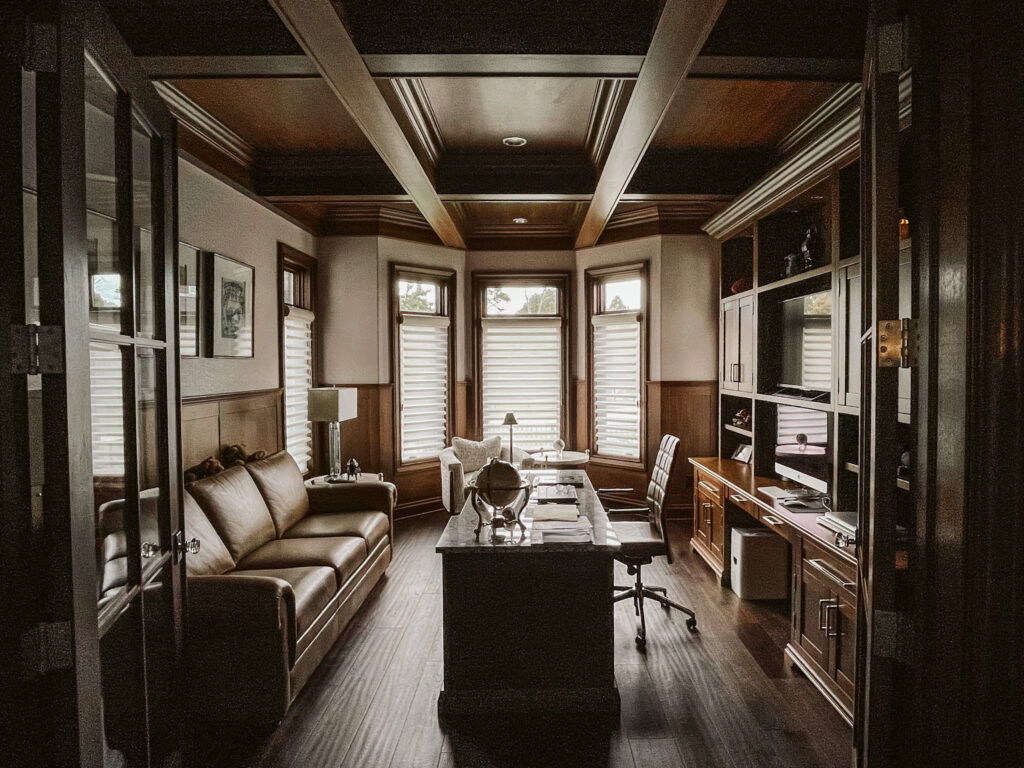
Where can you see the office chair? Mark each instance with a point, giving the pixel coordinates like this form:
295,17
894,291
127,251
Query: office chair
643,536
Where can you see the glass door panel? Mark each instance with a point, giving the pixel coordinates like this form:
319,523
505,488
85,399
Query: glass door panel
152,484
142,228
160,658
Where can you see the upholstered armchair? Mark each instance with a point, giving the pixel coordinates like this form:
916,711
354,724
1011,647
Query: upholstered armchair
455,474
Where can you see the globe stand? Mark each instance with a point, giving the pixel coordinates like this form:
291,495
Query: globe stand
500,516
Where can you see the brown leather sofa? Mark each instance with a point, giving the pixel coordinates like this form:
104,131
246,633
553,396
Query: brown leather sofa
281,570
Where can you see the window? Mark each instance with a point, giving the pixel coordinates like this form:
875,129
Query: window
521,356
617,360
297,286
423,303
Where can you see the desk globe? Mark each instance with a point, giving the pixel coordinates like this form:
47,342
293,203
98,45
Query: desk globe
498,486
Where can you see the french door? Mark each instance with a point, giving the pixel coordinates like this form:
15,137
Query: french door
91,478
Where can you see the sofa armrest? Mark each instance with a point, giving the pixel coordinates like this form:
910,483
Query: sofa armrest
356,497
240,646
453,481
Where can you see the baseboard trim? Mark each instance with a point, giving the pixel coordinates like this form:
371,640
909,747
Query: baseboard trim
418,507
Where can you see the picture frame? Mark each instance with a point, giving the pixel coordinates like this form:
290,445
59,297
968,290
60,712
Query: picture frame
190,297
230,292
743,452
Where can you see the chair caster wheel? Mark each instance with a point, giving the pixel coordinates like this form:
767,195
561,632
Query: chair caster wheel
691,624
641,643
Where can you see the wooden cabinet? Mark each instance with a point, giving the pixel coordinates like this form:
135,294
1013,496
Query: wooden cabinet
737,333
709,526
824,641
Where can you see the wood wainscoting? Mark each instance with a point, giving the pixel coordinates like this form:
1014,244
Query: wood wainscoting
211,422
686,409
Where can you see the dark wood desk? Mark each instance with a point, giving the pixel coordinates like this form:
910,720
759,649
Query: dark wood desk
528,626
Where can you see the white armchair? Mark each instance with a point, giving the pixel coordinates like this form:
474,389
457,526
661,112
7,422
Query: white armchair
454,479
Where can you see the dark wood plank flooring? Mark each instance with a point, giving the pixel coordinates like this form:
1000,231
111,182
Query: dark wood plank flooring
722,698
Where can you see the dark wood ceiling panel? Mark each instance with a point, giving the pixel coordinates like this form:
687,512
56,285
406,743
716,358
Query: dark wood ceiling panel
489,218
474,114
737,114
526,26
280,114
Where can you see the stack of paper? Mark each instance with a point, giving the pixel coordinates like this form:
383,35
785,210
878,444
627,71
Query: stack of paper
562,531
559,512
557,492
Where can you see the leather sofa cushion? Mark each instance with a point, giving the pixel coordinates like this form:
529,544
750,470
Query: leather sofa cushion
213,557
342,553
313,588
281,484
371,526
234,505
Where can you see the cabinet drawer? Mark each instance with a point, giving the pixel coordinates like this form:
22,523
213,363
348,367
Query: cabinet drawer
840,575
708,485
741,501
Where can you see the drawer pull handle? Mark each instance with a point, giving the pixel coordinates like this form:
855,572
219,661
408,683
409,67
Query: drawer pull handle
709,488
736,498
771,520
822,619
819,565
831,626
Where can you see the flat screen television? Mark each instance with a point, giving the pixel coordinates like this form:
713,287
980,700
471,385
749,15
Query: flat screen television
803,450
805,345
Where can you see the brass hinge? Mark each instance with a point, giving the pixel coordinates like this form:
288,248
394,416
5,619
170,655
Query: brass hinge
898,342
47,648
893,636
37,349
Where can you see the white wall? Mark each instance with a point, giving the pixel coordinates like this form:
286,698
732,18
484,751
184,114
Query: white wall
689,308
216,217
520,261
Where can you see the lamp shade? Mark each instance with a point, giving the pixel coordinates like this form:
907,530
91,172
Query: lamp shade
332,404
510,419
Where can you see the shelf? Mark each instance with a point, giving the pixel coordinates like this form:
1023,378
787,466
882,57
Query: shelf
808,275
739,430
850,466
849,261
779,399
740,295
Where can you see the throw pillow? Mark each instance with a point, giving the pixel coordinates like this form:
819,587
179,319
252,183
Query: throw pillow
473,454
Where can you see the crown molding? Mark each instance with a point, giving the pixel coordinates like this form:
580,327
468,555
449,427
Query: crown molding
415,103
206,126
829,136
609,104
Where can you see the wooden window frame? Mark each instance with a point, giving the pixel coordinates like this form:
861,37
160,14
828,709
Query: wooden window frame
560,280
446,281
304,270
594,279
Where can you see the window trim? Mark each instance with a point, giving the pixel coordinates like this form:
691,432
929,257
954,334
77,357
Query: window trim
304,269
593,280
446,281
563,282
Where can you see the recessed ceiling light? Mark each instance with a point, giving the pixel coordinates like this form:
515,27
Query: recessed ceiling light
519,220
513,141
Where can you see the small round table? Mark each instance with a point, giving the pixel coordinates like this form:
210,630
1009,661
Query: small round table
561,460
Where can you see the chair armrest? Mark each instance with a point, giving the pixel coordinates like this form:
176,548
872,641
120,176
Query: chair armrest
638,513
614,490
453,481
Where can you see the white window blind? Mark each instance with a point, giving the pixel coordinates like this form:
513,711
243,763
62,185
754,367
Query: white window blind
106,390
298,378
817,353
794,420
616,385
522,373
423,385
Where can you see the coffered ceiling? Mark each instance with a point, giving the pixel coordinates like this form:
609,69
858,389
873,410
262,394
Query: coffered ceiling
362,116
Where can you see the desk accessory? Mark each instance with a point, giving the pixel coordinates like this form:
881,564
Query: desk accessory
334,406
510,421
496,495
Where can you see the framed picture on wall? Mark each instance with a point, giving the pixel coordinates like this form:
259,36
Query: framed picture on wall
189,306
229,300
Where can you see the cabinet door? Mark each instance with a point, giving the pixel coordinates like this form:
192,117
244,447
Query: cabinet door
718,531
730,344
703,512
841,625
816,595
849,288
745,341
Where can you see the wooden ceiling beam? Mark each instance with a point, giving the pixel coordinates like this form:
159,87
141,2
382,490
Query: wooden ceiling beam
503,65
682,29
318,29
777,68
202,67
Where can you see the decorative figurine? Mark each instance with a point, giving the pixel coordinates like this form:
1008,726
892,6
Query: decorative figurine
559,446
352,469
793,265
812,249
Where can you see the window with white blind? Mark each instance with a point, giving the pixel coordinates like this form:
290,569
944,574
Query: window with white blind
616,363
521,372
617,379
298,379
106,389
297,289
422,317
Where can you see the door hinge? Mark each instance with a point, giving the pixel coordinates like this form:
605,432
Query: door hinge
47,648
898,342
893,636
40,47
37,349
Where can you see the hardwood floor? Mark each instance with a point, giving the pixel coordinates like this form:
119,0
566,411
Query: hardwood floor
723,698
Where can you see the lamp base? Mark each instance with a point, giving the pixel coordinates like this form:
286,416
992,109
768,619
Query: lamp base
339,479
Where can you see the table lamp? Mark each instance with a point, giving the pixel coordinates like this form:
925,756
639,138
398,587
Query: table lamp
510,421
332,405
